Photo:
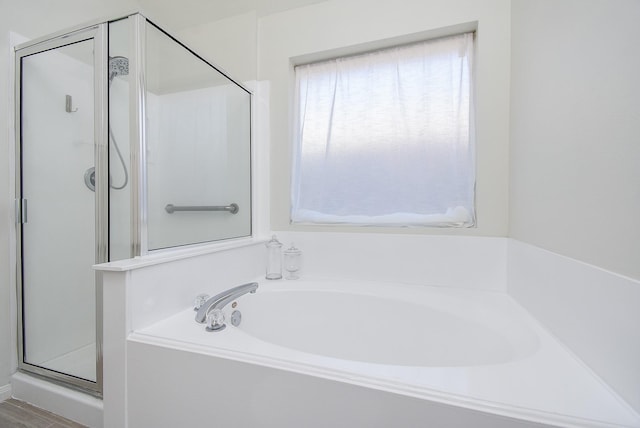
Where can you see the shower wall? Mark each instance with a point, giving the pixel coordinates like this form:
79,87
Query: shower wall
119,104
119,199
195,150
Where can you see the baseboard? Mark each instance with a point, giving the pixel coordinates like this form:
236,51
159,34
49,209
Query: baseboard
5,392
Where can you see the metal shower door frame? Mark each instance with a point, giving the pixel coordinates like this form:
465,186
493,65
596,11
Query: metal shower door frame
99,34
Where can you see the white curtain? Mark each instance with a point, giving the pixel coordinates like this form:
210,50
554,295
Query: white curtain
385,138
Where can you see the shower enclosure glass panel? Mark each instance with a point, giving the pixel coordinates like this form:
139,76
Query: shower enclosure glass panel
58,237
120,174
198,148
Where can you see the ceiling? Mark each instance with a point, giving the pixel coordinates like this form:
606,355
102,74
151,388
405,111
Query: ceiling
188,13
35,18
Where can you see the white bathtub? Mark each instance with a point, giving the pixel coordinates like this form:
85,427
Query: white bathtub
318,354
397,326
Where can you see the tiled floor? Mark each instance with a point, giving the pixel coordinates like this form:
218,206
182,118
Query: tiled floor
18,414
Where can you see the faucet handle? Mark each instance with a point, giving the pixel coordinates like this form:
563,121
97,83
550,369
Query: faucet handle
200,300
215,320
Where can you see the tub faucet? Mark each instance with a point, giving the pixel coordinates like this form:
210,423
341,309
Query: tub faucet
221,300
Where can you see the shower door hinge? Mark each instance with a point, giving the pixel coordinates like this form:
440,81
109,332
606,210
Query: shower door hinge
21,211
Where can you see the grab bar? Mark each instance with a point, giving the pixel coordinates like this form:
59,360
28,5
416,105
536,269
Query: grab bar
233,208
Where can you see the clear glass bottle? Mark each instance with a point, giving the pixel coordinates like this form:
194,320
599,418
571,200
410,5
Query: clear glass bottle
274,259
292,257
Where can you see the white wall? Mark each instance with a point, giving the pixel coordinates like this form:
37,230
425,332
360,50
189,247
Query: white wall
6,312
575,179
338,24
575,130
229,43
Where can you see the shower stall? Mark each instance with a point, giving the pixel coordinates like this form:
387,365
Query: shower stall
127,143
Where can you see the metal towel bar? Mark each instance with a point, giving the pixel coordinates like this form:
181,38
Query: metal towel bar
233,208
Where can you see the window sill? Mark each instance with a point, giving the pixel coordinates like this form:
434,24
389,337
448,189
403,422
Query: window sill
458,217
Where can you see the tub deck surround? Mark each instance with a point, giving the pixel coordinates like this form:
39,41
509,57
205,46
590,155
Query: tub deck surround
509,366
592,311
477,263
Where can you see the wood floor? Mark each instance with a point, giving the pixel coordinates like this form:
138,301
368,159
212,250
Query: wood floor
18,414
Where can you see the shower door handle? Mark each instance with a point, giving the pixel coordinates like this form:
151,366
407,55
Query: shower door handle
21,211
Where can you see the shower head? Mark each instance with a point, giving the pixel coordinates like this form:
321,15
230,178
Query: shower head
118,66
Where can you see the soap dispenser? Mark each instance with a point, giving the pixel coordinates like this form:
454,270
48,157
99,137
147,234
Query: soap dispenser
292,257
274,259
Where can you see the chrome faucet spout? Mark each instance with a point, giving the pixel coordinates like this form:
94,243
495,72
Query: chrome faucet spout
220,300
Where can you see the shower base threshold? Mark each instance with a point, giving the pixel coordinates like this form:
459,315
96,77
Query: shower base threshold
69,403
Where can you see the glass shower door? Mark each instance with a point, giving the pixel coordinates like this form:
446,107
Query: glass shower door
58,160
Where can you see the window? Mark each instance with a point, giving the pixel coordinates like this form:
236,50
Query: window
385,137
